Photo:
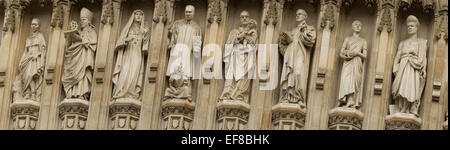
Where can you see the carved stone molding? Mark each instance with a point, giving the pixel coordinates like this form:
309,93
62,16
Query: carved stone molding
161,8
328,18
57,19
108,12
124,114
288,117
386,18
177,114
73,113
345,119
442,30
402,121
25,114
427,5
272,10
232,115
215,11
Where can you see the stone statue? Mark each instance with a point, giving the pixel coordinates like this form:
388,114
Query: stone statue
294,46
79,57
129,68
240,60
179,86
410,70
185,45
353,52
30,73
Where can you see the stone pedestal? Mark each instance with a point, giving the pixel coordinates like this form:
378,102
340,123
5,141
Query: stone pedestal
124,113
287,116
177,114
345,119
232,115
25,114
402,121
73,113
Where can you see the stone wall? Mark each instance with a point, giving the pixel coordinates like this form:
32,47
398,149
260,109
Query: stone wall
384,26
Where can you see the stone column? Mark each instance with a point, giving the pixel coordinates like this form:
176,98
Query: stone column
264,87
325,62
155,77
12,28
98,117
383,50
437,73
51,94
211,81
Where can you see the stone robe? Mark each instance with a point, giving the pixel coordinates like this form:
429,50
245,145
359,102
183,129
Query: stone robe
352,70
31,66
295,64
79,63
410,73
185,43
129,68
240,63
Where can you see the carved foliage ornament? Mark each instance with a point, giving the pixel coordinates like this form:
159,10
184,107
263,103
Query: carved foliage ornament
215,11
328,16
161,10
443,26
57,15
108,12
12,7
272,7
427,5
386,19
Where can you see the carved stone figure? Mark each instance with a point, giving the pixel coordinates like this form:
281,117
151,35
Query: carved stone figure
294,46
410,70
79,57
353,52
240,60
29,79
131,48
179,86
185,45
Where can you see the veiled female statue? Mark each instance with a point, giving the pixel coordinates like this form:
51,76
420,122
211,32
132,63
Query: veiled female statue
240,60
294,46
30,73
410,70
353,52
131,47
79,57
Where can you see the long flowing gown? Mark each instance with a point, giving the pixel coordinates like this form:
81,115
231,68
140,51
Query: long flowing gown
410,72
185,41
239,65
79,65
129,69
352,70
32,60
295,66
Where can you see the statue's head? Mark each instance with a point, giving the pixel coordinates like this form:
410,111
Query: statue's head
189,12
357,26
301,15
245,17
138,15
413,24
85,17
35,24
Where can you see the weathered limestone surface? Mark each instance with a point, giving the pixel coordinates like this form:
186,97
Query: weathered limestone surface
314,66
